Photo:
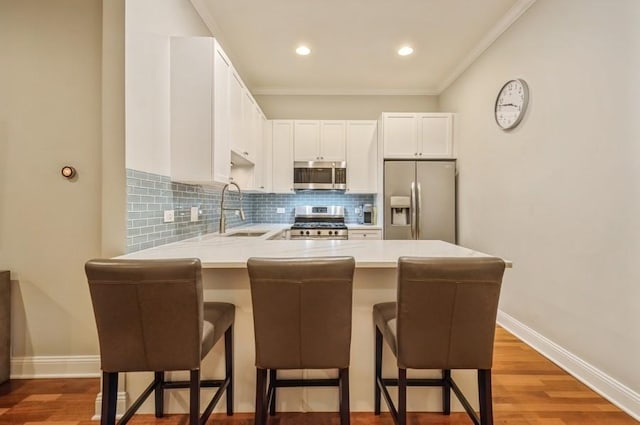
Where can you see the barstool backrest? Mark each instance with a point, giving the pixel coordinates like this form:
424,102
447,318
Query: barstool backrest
447,312
149,313
302,311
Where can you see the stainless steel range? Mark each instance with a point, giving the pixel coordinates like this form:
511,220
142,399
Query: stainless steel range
319,223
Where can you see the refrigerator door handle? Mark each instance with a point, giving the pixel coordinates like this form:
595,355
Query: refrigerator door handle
414,215
418,208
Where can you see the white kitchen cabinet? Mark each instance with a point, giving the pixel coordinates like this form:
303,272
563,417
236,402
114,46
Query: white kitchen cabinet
236,116
199,122
267,154
417,135
319,140
362,234
282,156
362,156
306,140
260,156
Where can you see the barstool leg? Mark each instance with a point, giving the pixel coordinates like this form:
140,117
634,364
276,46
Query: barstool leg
484,390
272,391
261,387
343,389
228,359
402,396
109,398
159,394
194,397
446,391
377,372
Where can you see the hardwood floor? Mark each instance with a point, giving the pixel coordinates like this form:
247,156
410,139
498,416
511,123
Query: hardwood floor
527,390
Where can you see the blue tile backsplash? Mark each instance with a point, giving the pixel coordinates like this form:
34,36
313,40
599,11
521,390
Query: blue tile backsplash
148,195
266,204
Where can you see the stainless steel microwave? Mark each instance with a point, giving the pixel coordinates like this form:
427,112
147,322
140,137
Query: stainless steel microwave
330,175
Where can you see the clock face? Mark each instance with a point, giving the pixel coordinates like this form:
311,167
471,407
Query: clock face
511,103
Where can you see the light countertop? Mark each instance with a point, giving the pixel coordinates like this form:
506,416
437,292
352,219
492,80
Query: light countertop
227,251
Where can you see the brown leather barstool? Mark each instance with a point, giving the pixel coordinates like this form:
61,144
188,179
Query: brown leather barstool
444,318
151,316
302,320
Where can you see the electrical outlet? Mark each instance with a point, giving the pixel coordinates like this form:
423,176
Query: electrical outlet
169,216
237,213
194,213
280,210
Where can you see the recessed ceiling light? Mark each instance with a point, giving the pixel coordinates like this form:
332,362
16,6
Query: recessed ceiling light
405,51
303,50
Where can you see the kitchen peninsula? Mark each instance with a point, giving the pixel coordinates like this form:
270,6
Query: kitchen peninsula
225,278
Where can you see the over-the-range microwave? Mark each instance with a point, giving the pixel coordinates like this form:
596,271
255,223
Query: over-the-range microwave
308,175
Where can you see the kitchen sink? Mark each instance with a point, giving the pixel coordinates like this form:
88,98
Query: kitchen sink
246,234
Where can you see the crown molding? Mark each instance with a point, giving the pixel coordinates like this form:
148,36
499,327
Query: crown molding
507,20
207,18
274,91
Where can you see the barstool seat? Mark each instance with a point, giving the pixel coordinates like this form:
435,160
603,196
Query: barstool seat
444,318
302,310
151,317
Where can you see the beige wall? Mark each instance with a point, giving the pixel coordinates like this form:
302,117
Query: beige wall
147,77
50,116
342,107
560,194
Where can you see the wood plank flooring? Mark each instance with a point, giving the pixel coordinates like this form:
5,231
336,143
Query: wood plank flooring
527,389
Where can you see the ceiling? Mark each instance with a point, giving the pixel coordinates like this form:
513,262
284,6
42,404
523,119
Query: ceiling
354,43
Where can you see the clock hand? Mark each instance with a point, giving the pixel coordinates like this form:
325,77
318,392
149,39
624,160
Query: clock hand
509,104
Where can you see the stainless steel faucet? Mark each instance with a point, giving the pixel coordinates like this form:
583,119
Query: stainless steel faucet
222,228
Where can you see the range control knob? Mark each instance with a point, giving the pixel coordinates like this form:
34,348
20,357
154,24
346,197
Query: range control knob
302,232
306,233
330,232
319,232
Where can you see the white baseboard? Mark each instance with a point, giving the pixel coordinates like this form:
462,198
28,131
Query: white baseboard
614,391
55,367
121,406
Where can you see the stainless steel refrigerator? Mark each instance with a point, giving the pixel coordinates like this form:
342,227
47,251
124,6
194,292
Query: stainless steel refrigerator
420,200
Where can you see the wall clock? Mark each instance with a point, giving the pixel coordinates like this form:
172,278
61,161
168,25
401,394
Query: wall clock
511,103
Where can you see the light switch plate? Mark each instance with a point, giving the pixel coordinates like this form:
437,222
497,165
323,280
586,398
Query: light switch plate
280,210
194,213
168,216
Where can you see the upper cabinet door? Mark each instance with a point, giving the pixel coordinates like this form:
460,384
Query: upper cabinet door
235,111
422,135
248,135
435,135
362,156
332,141
306,140
191,90
221,124
282,156
400,135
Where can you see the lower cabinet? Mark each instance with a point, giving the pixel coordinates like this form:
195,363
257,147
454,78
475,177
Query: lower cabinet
361,234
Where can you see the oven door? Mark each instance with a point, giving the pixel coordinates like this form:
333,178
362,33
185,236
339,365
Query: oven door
313,175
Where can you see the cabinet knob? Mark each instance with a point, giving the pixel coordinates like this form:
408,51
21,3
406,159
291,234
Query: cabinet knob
415,154
420,154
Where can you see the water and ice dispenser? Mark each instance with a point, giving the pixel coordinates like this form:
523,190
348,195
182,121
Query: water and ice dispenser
400,210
